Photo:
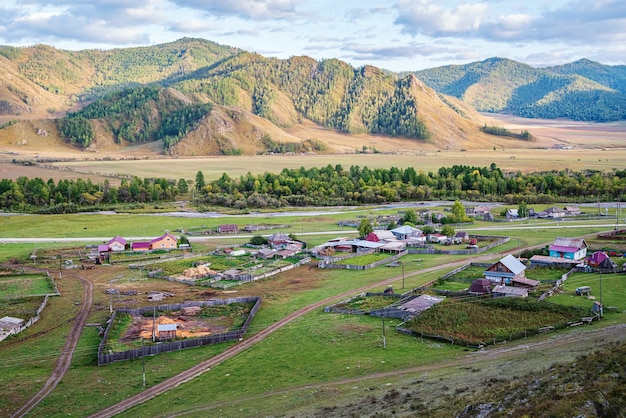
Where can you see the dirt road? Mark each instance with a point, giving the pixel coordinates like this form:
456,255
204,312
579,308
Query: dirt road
249,342
65,358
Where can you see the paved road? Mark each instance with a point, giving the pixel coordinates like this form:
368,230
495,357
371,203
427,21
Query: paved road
339,232
63,363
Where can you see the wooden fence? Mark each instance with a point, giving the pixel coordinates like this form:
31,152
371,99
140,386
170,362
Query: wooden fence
106,358
366,267
479,250
5,334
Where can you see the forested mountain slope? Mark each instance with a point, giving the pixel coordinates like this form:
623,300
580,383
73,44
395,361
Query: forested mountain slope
577,91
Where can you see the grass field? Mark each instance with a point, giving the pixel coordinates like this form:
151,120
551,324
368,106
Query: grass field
18,286
527,160
322,347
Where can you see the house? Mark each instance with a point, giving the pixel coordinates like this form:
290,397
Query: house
607,265
461,236
437,238
480,287
417,237
546,261
552,212
512,214
524,282
383,235
165,241
509,291
420,303
265,253
488,217
227,229
404,232
569,248
278,241
572,210
141,246
103,251
505,270
166,328
9,323
116,244
596,258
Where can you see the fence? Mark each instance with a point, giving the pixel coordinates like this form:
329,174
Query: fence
106,358
557,285
503,338
479,250
5,334
365,267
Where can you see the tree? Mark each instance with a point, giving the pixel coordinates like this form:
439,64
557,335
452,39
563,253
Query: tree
183,187
522,210
200,183
410,217
447,230
365,227
458,210
258,240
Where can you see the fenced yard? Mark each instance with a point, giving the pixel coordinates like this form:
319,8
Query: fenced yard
130,333
23,285
479,322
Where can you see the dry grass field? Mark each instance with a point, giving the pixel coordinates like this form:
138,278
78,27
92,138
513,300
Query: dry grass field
588,146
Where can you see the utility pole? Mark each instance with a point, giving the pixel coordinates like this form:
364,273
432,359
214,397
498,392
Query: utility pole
143,364
154,325
402,263
384,335
601,305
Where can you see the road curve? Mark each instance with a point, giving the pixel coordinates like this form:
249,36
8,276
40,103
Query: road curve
63,363
205,366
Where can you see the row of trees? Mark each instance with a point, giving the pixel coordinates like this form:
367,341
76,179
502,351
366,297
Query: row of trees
336,186
326,186
66,196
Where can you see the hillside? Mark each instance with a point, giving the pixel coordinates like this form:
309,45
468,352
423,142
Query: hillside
41,80
578,91
194,97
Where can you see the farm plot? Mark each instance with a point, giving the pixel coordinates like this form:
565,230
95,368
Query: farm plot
491,320
364,260
18,286
365,303
128,330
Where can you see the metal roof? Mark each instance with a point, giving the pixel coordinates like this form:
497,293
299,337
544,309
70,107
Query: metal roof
513,264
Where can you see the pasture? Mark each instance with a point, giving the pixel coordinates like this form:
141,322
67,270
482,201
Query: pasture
19,286
525,160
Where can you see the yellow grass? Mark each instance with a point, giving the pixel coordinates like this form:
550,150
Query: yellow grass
594,146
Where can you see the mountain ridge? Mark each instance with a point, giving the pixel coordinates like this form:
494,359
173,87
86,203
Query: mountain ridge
270,96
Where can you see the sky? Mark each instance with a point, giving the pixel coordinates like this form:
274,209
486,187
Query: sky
400,35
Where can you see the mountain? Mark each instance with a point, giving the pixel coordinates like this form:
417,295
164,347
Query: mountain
223,100
576,91
42,79
195,97
610,76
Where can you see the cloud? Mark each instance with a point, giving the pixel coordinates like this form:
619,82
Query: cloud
245,9
577,21
426,18
407,51
112,22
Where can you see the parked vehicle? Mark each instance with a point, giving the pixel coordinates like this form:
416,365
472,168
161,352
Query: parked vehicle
583,290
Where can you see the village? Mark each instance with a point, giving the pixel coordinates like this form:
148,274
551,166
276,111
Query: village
173,258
